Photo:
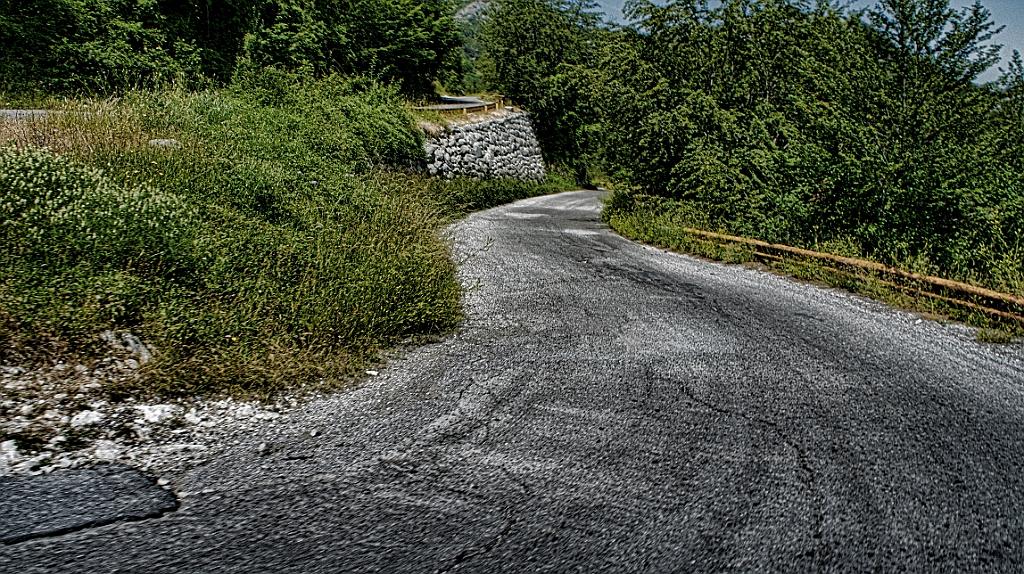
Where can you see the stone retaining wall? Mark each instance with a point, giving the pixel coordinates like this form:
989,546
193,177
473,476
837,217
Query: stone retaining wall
499,147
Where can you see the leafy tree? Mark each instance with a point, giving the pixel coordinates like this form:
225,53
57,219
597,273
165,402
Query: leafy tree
540,51
290,37
802,123
107,45
472,79
61,45
412,41
216,27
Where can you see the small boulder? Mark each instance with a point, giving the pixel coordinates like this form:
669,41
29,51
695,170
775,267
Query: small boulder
107,450
157,414
86,418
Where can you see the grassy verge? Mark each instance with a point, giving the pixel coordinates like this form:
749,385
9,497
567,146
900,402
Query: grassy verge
267,245
663,222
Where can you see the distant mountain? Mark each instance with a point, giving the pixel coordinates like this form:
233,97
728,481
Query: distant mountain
470,18
471,10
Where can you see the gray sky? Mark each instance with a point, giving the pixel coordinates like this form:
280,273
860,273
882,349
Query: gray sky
1009,13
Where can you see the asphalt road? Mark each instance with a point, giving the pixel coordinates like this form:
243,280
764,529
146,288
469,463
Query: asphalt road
611,407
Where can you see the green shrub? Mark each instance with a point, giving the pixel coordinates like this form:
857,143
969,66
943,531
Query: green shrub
80,251
539,53
808,125
57,214
91,45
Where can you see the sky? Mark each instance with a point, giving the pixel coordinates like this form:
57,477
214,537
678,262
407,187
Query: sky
1009,13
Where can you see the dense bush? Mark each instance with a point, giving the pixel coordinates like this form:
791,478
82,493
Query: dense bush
113,45
59,213
810,125
93,45
537,53
794,122
79,249
413,43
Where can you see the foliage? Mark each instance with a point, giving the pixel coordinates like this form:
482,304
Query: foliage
272,249
92,45
472,80
107,46
81,247
407,41
667,223
57,213
540,51
809,125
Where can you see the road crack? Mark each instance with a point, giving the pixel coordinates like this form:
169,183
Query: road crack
808,474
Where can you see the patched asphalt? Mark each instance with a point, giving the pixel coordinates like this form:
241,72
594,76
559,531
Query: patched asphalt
610,407
54,504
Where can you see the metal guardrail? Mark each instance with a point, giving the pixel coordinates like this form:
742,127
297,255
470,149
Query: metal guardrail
464,106
1004,305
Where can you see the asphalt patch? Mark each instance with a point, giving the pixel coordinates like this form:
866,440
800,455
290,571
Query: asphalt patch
63,502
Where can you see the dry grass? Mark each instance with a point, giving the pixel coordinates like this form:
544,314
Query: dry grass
435,124
90,127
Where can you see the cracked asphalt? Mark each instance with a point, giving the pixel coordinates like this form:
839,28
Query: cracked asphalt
611,407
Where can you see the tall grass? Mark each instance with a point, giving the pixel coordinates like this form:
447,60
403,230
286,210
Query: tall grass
273,247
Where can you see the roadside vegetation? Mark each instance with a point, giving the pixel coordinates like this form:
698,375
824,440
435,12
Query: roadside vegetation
864,134
275,234
274,245
107,46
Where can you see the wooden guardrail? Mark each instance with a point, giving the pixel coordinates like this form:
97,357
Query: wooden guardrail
1004,305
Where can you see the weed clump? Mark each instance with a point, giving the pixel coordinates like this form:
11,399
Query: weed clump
80,251
57,213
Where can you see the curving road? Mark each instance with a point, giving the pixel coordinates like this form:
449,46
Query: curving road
611,407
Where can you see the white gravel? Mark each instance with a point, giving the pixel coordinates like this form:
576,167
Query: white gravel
57,417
